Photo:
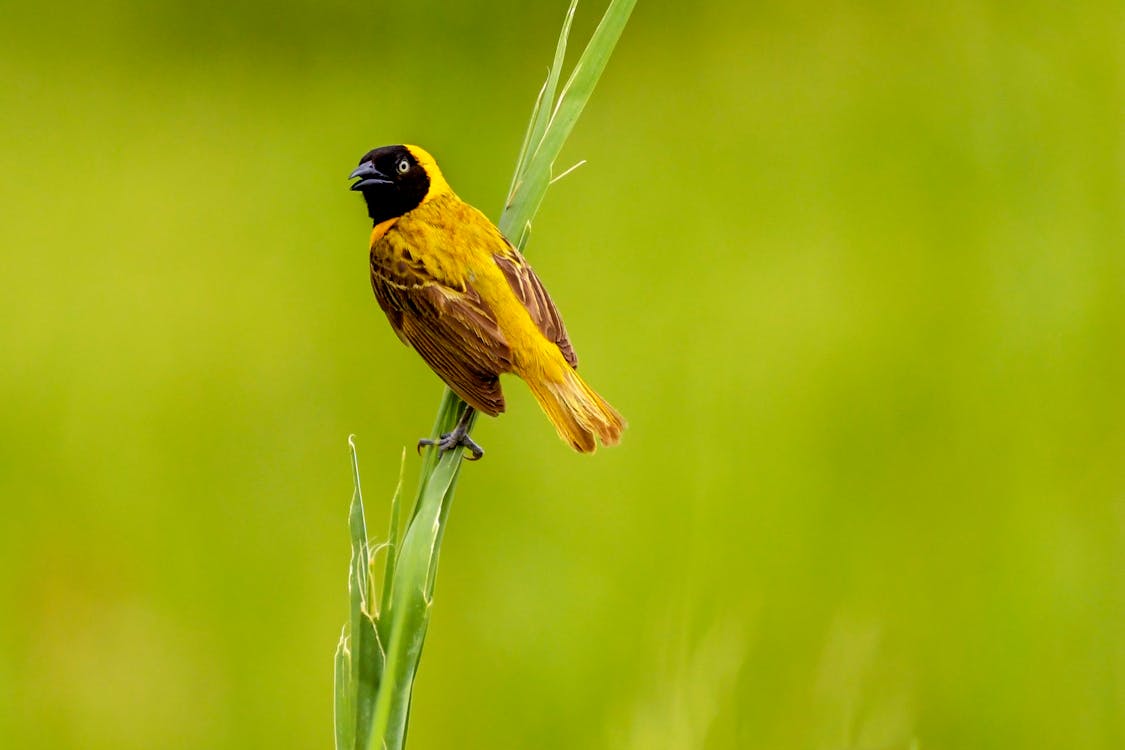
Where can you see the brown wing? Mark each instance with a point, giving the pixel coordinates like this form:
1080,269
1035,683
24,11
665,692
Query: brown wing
452,329
534,297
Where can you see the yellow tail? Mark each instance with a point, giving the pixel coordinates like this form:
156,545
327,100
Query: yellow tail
578,413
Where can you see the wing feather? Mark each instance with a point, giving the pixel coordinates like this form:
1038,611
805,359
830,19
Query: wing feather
452,329
534,297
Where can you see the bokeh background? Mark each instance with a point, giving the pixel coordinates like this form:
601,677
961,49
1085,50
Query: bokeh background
855,272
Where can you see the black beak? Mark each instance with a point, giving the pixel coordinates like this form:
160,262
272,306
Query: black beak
369,176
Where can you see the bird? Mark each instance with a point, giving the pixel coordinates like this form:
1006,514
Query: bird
458,292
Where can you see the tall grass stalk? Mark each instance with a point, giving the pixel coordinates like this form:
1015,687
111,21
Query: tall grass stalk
380,647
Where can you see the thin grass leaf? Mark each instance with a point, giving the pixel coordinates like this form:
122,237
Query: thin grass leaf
358,588
566,171
542,114
366,651
576,93
343,704
392,539
524,153
410,605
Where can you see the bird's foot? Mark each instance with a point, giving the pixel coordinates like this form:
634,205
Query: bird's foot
455,440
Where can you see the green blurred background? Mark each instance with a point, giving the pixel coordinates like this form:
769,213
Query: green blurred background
855,272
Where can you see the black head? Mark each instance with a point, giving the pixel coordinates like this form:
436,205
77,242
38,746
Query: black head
392,182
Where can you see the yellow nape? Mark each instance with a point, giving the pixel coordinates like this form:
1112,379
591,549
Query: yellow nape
438,185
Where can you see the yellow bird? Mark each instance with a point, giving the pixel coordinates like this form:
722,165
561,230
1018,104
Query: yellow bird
464,297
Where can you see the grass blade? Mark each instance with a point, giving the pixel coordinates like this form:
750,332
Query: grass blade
343,705
524,147
366,652
532,186
392,539
411,600
541,115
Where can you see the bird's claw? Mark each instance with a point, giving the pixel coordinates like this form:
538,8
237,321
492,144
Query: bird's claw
452,441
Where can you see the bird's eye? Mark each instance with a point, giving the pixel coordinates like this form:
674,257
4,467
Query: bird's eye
403,166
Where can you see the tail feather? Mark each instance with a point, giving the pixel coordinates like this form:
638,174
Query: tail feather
578,412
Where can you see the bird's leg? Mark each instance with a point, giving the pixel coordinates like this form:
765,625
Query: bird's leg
458,438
